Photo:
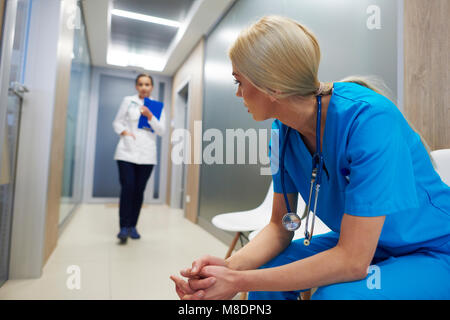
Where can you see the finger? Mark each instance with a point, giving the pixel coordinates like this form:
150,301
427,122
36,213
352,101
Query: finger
188,274
206,260
197,265
208,271
202,283
183,285
196,296
180,292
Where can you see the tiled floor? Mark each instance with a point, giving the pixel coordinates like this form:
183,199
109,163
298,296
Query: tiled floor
138,270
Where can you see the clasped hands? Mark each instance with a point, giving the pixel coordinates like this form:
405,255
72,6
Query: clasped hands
209,278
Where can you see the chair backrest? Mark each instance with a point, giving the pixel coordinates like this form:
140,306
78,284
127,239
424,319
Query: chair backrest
442,161
268,201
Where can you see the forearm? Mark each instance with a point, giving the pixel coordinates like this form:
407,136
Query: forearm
328,267
267,244
157,125
119,127
119,123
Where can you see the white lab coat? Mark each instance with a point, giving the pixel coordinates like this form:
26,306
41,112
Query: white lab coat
141,150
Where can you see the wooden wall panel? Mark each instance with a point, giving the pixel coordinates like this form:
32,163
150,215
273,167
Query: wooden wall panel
65,49
426,64
2,12
192,68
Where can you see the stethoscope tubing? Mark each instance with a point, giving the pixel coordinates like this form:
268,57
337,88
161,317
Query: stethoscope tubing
316,177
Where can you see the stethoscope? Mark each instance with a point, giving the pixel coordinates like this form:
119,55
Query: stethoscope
291,221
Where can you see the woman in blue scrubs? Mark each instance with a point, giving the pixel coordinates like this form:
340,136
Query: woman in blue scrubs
387,207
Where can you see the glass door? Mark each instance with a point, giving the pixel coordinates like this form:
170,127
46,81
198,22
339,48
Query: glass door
13,56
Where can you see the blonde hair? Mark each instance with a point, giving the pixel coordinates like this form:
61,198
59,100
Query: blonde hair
281,57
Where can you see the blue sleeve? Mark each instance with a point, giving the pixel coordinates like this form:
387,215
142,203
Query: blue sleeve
381,171
275,146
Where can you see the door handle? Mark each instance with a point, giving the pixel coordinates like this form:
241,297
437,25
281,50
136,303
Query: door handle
18,89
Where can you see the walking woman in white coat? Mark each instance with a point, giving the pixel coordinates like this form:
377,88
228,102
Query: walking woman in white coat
135,154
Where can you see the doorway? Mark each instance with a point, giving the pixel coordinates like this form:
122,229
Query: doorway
179,171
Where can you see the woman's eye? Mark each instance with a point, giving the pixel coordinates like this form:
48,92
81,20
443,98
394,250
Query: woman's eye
236,82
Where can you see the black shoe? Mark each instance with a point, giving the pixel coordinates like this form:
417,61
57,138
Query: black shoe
134,234
123,235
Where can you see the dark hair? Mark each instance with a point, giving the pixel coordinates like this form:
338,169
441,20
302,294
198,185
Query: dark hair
144,75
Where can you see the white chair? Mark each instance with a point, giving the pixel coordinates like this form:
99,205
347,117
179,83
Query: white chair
442,162
244,221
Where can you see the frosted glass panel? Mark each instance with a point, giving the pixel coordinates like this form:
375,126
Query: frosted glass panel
11,126
76,121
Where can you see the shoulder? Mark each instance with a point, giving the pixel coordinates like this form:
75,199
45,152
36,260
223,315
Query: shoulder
355,94
131,98
356,105
126,99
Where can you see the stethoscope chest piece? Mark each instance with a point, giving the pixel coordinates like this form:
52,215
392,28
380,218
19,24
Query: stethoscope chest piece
291,221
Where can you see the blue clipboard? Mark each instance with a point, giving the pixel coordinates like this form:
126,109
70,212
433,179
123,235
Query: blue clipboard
156,109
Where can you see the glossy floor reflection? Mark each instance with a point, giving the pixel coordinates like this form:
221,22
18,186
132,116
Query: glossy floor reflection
138,270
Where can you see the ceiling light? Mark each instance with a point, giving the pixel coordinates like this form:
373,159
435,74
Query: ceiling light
148,61
143,17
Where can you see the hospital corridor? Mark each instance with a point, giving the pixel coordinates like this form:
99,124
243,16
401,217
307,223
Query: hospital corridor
246,151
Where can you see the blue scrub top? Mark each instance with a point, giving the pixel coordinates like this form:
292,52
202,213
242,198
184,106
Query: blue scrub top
376,166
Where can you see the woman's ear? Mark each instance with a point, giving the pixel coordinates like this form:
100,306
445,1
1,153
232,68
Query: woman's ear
274,94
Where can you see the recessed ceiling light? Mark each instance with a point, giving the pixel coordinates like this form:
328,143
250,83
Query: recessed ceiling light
146,18
149,61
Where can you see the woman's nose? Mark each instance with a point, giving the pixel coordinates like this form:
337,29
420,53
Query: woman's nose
238,93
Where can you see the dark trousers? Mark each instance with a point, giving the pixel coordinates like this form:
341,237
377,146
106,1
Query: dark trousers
133,179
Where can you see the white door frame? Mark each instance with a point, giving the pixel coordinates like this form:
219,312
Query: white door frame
175,183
